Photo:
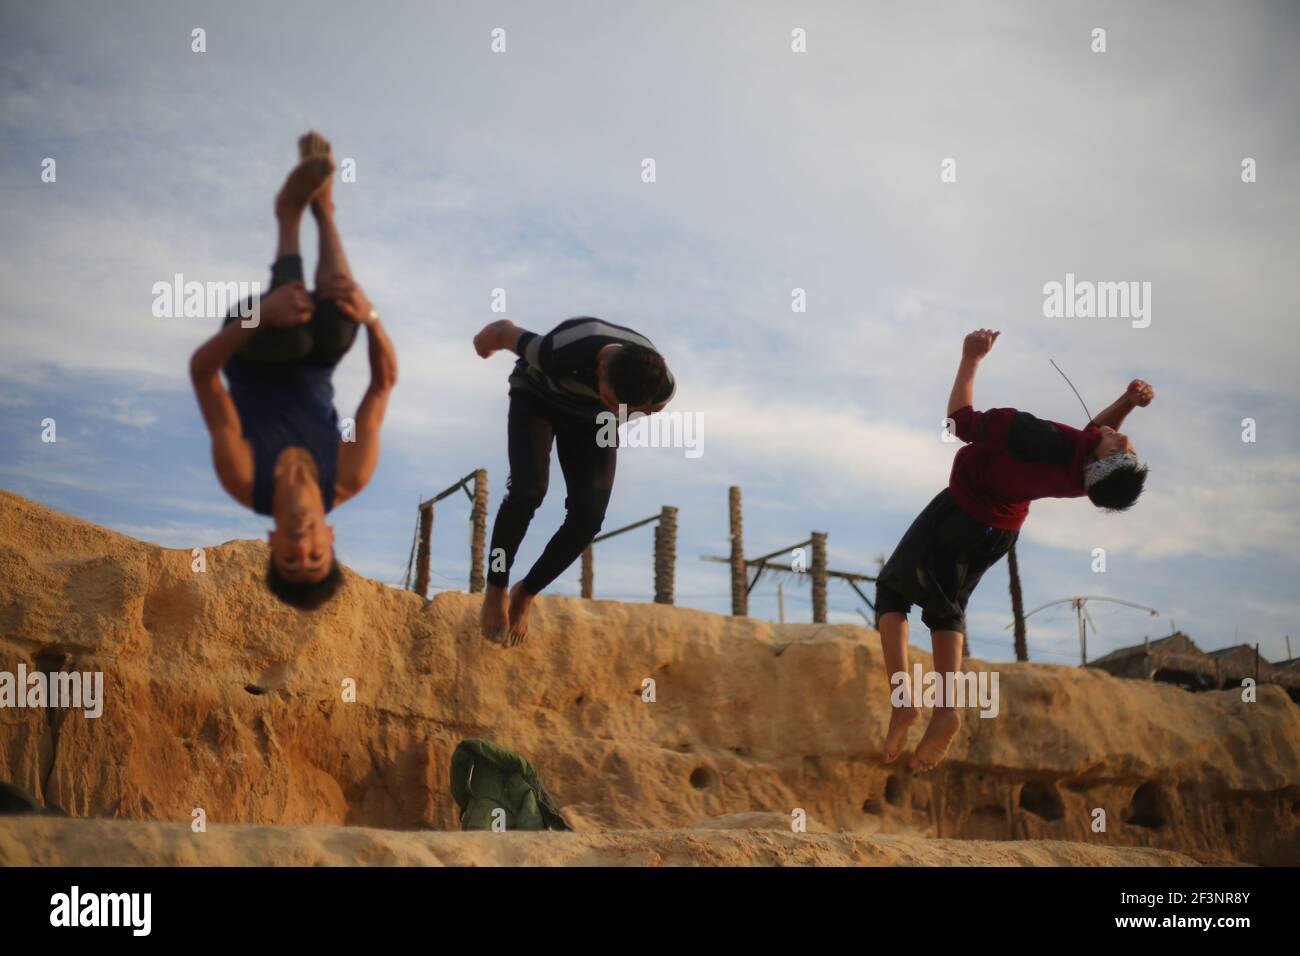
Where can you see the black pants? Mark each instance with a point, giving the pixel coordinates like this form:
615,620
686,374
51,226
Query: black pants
588,480
322,340
941,558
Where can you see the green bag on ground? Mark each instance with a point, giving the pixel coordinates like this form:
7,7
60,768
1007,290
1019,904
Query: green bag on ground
486,777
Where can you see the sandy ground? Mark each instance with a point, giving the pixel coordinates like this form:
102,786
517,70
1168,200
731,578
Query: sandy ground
46,841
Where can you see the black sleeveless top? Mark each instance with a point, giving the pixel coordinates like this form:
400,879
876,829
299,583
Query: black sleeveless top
285,405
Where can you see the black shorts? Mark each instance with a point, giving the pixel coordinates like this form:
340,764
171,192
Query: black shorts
323,340
938,563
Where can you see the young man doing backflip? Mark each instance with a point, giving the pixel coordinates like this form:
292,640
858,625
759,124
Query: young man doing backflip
1010,459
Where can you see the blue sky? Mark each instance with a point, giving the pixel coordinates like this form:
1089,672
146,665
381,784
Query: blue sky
775,170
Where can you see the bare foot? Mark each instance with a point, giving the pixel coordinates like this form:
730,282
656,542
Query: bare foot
900,722
308,177
493,620
521,602
943,727
310,145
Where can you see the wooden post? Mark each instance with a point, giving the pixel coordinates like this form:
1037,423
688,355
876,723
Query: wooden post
1083,633
1017,605
478,544
780,602
588,572
739,573
422,555
665,555
819,577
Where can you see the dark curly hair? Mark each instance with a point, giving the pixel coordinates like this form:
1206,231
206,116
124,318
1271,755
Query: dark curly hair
1118,490
636,374
305,595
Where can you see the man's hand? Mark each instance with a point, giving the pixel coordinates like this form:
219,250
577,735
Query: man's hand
1140,393
348,296
501,334
288,305
978,344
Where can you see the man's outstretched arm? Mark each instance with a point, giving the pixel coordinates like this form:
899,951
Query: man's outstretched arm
973,350
1138,395
498,335
359,458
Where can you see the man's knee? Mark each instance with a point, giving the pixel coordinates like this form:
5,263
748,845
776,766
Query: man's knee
524,497
586,517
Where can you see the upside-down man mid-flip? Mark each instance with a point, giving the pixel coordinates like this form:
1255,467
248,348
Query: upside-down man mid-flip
276,445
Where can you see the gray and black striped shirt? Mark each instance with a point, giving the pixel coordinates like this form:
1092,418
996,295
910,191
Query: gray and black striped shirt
560,366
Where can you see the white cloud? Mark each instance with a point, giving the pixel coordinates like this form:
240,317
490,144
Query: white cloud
776,170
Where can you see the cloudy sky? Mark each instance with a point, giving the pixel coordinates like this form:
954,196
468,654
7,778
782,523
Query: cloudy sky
775,170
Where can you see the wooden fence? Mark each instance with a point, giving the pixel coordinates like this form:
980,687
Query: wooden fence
819,574
417,566
665,554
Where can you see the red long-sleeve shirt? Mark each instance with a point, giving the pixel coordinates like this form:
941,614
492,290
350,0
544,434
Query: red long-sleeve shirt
1012,458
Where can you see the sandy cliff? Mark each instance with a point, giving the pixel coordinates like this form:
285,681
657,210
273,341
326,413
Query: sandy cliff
217,697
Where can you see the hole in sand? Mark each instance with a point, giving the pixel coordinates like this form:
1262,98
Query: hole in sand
893,790
255,690
1146,809
50,662
872,805
702,778
1042,800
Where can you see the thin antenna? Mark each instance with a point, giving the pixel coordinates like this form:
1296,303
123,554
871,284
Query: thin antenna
1072,388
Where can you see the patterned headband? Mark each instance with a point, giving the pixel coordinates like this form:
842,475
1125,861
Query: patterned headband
1105,467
